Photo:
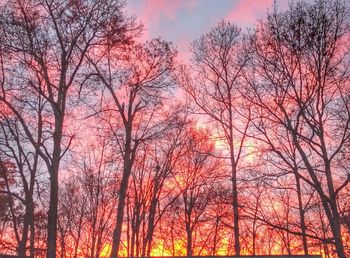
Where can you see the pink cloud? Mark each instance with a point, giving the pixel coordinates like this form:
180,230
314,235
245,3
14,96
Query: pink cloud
183,47
151,12
153,9
246,13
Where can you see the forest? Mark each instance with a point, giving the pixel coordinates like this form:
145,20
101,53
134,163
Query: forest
112,146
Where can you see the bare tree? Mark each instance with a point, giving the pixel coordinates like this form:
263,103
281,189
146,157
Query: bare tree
46,42
16,146
214,84
197,179
300,89
7,197
137,79
87,202
150,196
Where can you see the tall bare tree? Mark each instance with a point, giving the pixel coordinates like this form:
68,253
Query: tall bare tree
300,86
151,190
213,83
197,179
14,145
87,201
45,44
137,78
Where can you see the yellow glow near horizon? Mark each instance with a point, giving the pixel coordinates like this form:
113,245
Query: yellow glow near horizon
106,251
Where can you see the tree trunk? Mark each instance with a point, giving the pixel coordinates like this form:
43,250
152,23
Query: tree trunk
215,240
301,214
235,200
32,239
189,240
52,213
151,220
122,194
120,212
234,181
336,229
235,213
28,221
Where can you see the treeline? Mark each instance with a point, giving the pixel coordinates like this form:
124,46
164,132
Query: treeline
110,146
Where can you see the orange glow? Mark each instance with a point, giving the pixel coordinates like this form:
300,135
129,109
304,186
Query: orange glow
106,250
159,251
241,141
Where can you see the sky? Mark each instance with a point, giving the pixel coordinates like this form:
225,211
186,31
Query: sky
182,21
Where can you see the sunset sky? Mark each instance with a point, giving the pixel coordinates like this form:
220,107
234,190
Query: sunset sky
221,130
182,21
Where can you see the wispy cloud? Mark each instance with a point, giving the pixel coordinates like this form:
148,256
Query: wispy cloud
246,13
153,12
